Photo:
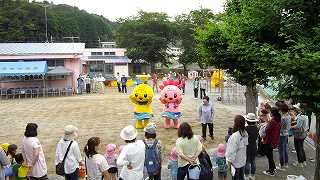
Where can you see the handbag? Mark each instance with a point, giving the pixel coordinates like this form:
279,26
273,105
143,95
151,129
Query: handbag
60,166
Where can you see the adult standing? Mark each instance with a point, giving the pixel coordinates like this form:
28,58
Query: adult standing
263,120
87,81
33,154
203,87
132,155
196,87
155,82
101,81
118,77
299,133
253,132
285,126
206,116
96,164
237,147
80,83
3,162
73,158
188,148
272,139
124,83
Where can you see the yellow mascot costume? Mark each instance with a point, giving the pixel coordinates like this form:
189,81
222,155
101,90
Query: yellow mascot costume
142,98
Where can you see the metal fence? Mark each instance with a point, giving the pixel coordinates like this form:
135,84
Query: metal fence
233,93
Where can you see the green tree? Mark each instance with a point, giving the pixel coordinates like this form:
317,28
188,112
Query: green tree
186,26
147,37
23,21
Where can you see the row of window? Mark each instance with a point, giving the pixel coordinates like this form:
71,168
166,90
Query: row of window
102,53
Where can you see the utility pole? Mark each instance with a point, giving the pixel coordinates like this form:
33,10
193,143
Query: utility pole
46,19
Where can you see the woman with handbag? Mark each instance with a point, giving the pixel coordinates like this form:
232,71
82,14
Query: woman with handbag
68,156
33,154
188,148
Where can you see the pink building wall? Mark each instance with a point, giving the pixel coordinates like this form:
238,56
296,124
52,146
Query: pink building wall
72,64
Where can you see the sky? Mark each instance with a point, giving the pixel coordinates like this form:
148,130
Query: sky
114,9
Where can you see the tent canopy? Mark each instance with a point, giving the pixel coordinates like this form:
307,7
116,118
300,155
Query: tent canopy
23,68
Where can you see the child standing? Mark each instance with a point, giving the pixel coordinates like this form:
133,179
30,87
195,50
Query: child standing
111,157
173,164
153,159
221,162
17,167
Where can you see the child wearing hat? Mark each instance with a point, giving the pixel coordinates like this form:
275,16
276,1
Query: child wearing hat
173,164
111,157
253,132
221,162
153,158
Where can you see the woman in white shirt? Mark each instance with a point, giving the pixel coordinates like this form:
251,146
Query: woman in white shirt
132,155
96,164
73,158
237,147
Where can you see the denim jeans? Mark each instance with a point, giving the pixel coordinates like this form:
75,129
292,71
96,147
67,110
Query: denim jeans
283,150
239,175
298,145
250,165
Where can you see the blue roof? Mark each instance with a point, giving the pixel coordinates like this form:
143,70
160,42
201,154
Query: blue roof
23,68
41,48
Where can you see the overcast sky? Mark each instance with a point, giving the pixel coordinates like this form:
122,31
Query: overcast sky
113,9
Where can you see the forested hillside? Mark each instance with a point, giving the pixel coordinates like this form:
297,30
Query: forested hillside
23,21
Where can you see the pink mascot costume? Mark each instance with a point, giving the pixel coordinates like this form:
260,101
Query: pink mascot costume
171,97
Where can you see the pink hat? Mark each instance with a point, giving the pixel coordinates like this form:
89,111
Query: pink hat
111,149
221,150
174,154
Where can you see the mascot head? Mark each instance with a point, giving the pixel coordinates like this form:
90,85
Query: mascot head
171,94
142,94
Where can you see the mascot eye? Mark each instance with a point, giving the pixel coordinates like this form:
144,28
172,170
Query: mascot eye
145,95
136,95
166,96
175,96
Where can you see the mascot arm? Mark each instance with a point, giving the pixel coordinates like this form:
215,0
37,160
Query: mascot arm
131,97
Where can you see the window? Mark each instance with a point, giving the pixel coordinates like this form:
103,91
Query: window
54,63
100,67
109,53
108,68
96,54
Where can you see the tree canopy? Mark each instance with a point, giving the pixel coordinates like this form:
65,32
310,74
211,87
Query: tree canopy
147,37
23,21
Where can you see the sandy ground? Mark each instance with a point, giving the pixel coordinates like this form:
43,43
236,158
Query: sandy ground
95,115
105,115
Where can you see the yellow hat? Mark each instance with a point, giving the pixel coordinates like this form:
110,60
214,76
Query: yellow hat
5,147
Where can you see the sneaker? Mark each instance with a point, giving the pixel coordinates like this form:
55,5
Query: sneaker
286,166
253,177
246,177
305,163
293,151
281,168
212,138
268,173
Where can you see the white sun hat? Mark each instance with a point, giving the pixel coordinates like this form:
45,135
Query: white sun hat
250,117
128,133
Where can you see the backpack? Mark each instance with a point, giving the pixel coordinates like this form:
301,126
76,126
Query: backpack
206,172
152,158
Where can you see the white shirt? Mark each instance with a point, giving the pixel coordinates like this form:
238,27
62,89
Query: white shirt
28,145
73,157
134,154
236,149
96,165
118,78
